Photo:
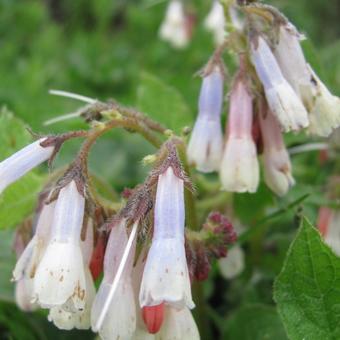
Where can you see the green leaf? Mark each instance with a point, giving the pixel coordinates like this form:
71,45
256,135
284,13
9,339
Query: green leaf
255,322
307,290
162,102
18,200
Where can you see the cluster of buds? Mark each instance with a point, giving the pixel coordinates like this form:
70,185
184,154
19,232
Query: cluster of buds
274,91
148,260
177,25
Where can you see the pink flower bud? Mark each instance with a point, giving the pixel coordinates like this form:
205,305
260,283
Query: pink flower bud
153,317
166,275
206,142
282,100
17,165
239,168
60,274
277,167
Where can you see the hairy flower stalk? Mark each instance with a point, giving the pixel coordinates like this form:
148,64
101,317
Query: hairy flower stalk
174,28
120,319
215,22
282,99
277,167
206,142
64,317
166,276
17,165
323,107
239,167
60,275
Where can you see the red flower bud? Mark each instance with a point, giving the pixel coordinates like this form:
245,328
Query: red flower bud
153,317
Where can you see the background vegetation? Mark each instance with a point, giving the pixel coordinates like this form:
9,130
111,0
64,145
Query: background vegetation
110,49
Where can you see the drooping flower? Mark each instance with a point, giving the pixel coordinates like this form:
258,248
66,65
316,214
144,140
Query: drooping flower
174,28
120,319
329,226
17,165
206,142
34,251
60,275
166,277
282,99
277,166
64,316
233,264
178,325
323,107
215,22
239,167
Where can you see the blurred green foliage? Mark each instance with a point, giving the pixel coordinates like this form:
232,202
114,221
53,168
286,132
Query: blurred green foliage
110,49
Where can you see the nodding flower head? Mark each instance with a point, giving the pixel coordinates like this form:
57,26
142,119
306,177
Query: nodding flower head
174,28
120,319
206,142
215,22
61,269
239,170
64,316
17,165
166,276
277,167
282,99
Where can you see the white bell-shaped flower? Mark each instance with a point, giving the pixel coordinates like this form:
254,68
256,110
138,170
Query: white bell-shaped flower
64,316
120,319
166,276
215,22
17,165
233,264
239,167
283,101
174,27
277,166
332,232
206,142
60,274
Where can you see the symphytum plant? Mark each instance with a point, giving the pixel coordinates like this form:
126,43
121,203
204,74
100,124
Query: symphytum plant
147,248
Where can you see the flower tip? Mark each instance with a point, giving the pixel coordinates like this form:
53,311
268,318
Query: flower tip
153,317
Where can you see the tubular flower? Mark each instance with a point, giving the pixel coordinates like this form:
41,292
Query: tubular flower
178,325
174,27
166,276
323,107
329,224
206,143
233,264
282,100
277,167
34,251
120,320
60,274
64,317
17,165
215,22
239,167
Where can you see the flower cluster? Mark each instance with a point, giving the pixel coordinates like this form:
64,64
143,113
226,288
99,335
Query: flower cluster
142,250
274,91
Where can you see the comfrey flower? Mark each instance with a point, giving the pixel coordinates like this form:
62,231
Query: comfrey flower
277,167
233,264
17,165
239,167
323,107
64,316
178,325
30,258
60,274
215,22
329,226
174,27
206,142
282,99
120,319
166,277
